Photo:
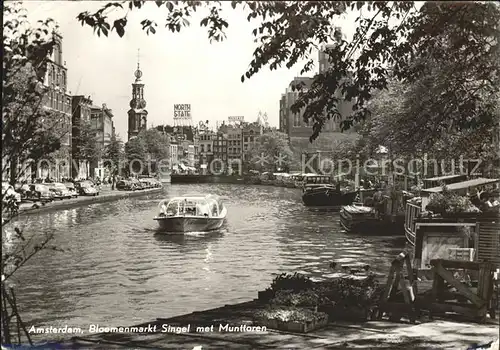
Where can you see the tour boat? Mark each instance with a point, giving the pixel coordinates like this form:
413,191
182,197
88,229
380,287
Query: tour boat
191,214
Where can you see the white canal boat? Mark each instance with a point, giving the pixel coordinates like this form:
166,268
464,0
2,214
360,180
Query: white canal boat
191,214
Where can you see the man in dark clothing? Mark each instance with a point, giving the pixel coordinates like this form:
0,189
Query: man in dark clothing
113,179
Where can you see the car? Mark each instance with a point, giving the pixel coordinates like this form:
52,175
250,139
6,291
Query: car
86,188
8,191
124,185
136,184
40,192
60,190
71,188
146,183
23,190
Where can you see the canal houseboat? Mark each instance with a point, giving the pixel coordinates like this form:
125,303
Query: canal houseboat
377,211
191,214
372,214
267,178
320,193
289,181
280,178
415,206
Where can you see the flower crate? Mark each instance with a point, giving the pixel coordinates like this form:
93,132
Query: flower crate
265,295
294,326
353,313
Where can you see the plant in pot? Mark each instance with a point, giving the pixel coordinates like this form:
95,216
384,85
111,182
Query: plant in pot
448,203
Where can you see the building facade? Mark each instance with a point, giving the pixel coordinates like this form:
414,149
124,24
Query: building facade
250,138
59,101
137,114
101,121
234,136
220,146
81,110
206,149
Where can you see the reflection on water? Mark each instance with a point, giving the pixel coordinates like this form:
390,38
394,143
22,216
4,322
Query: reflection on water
116,270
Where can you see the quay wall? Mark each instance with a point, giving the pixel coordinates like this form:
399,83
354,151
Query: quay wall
82,201
204,179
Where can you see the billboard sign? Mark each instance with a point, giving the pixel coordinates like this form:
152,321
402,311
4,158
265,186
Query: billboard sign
182,112
236,119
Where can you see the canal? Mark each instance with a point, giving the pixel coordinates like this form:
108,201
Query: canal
116,271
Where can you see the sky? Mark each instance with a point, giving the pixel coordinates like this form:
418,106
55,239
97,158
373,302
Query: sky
178,68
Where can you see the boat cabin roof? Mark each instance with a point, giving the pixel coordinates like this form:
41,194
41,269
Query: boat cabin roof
207,199
440,178
463,185
315,175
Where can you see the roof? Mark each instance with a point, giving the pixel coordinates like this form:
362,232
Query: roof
193,197
463,185
439,178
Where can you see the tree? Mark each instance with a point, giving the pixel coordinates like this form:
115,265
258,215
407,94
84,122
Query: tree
157,144
26,132
391,35
27,128
113,152
85,146
135,151
272,152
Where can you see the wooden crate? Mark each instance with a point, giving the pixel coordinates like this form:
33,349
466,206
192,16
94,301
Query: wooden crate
293,326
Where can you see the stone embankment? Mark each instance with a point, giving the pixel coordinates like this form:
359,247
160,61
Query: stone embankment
229,327
105,195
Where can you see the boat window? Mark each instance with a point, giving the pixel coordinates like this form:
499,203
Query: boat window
173,208
202,209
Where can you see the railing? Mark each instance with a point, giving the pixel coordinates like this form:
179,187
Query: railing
412,211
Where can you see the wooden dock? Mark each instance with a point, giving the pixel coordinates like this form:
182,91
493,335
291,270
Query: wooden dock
211,330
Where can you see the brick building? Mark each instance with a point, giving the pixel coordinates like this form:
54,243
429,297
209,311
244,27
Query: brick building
59,101
81,110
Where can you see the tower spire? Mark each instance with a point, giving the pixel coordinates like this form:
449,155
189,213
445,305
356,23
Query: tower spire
138,58
138,72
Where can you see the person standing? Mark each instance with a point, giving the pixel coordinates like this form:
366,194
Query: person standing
113,179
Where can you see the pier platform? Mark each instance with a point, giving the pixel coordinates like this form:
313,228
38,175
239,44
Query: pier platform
230,327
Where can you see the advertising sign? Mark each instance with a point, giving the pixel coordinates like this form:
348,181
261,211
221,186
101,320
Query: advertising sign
182,112
236,119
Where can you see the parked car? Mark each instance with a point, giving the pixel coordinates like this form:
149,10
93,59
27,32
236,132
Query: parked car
157,183
71,188
124,185
86,188
146,183
8,191
23,190
59,190
136,184
40,192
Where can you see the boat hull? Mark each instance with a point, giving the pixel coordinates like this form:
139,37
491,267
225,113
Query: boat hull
327,198
185,224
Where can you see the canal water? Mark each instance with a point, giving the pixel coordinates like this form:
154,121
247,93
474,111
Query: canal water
116,271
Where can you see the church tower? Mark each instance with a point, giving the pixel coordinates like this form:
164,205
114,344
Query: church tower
137,115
